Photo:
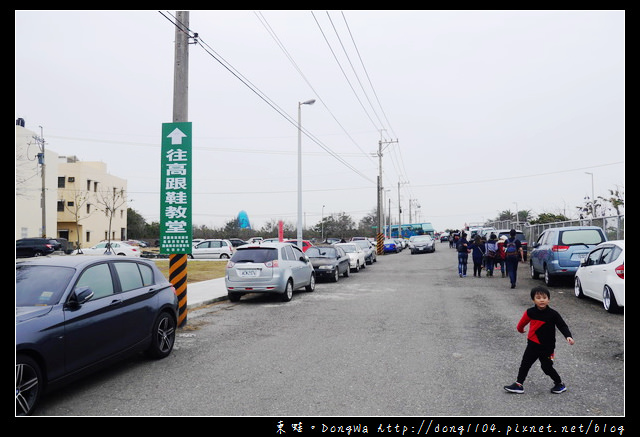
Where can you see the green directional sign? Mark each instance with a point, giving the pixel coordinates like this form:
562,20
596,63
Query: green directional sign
175,190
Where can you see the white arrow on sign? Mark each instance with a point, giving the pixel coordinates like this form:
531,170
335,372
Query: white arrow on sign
176,136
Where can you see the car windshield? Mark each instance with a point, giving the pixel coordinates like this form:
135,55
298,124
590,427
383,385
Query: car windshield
41,285
580,236
349,248
321,252
255,255
421,238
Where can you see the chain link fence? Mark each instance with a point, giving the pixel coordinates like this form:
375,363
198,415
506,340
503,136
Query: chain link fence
613,226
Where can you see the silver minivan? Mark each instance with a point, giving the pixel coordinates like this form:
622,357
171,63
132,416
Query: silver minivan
274,268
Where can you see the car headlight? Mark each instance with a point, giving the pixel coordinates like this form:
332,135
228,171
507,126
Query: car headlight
325,267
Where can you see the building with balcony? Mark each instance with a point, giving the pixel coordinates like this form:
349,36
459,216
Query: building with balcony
84,203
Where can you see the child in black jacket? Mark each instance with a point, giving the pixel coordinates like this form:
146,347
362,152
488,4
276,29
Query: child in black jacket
541,340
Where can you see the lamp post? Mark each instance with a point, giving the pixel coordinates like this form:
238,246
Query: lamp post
593,200
322,225
299,236
517,220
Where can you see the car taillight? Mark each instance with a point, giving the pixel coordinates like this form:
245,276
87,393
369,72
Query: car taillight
272,264
557,248
50,246
230,264
620,271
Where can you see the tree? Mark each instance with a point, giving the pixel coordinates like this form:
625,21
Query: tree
548,218
80,199
109,201
136,225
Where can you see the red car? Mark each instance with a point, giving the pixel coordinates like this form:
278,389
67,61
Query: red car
305,244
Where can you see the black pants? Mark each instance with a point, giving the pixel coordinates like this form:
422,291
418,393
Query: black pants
535,352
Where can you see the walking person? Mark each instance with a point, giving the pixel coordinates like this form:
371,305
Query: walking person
463,255
491,253
477,255
513,253
500,257
541,340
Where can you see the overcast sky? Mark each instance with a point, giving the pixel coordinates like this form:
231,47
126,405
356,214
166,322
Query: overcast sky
479,111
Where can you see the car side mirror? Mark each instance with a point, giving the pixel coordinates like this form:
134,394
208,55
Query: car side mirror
80,295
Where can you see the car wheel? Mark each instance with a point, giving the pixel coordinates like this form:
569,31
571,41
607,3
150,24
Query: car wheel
288,291
336,275
609,300
577,288
122,254
548,279
29,385
534,274
312,283
234,297
163,336
224,256
38,253
347,272
357,268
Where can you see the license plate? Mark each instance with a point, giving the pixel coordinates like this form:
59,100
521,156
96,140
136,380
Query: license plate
246,273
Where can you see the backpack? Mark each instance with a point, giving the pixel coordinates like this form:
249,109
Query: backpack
511,248
492,249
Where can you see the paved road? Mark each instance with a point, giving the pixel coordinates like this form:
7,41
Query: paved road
403,337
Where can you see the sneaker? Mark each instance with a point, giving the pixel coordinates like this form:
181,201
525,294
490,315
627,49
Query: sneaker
558,388
516,387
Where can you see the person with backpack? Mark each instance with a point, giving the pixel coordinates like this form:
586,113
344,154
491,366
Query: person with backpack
463,255
491,253
500,258
513,253
477,255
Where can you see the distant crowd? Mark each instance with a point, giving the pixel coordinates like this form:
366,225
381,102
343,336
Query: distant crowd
492,254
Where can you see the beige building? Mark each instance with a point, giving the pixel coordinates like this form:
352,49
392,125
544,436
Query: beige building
84,204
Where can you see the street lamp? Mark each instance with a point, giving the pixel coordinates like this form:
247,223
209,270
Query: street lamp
517,220
299,236
322,225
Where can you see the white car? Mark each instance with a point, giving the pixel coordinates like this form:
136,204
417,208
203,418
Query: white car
212,249
117,248
601,275
355,254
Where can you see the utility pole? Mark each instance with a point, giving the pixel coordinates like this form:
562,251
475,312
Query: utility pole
178,261
40,141
380,235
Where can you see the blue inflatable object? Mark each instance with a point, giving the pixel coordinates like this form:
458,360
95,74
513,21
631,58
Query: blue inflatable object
243,220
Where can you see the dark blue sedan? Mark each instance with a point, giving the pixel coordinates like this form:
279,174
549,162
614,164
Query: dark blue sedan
77,313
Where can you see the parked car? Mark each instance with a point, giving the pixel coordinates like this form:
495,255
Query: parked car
275,268
355,254
235,242
212,249
27,247
369,249
422,243
196,241
67,322
444,237
329,262
601,275
558,251
390,246
112,248
305,243
519,236
255,240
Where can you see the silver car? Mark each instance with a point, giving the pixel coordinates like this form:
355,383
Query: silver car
422,243
274,268
213,248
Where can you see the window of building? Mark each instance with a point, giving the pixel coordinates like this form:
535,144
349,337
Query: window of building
61,180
